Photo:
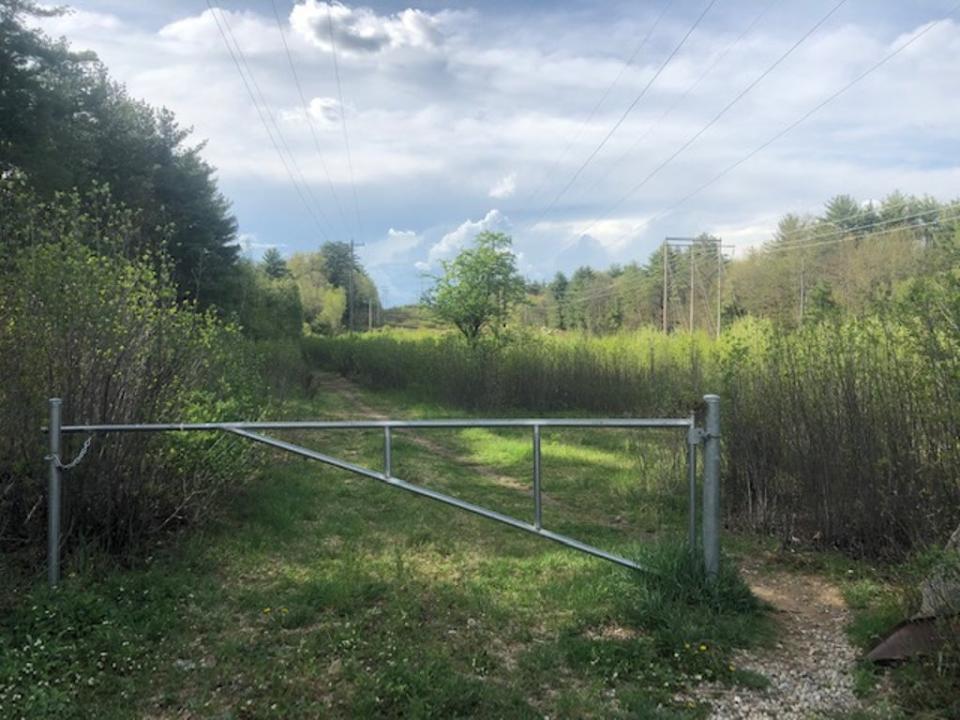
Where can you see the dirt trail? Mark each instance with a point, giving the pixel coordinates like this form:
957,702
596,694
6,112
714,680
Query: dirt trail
326,382
337,384
810,667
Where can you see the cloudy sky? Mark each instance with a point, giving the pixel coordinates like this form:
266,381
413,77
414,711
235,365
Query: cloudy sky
557,122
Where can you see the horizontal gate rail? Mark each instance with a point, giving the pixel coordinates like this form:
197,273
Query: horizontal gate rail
708,437
379,424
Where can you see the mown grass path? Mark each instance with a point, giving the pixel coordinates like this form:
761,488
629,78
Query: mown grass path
321,594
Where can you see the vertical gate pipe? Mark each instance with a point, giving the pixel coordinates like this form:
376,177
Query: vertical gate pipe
711,487
692,441
53,496
387,452
537,506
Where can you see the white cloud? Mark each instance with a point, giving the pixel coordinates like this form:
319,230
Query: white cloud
455,240
361,30
504,187
397,245
248,244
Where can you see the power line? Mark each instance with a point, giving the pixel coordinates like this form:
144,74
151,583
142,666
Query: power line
343,116
626,112
818,243
690,88
308,116
723,111
606,93
272,119
816,108
263,119
812,230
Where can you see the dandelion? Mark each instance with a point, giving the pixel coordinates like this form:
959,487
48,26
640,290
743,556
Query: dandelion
266,611
703,647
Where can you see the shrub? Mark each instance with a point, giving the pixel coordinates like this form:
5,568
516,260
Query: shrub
108,335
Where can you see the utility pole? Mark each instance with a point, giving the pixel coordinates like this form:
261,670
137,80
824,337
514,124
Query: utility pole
802,287
664,251
350,283
693,258
719,285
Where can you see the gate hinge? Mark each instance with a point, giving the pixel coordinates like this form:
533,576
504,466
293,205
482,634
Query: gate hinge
697,436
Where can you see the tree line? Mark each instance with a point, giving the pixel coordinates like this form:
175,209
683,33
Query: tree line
73,140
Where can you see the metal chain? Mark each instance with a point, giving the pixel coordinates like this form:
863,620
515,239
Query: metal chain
76,461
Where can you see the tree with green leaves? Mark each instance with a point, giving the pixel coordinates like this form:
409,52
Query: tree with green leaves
274,265
478,288
65,124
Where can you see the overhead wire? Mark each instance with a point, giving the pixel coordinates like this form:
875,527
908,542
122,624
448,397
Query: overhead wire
263,119
343,116
596,107
848,238
683,96
308,116
626,112
810,230
784,131
723,111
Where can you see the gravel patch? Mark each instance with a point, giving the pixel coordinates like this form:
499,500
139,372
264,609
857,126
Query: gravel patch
809,669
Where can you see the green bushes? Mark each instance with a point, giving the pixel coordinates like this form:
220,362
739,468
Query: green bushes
842,434
637,373
837,433
108,336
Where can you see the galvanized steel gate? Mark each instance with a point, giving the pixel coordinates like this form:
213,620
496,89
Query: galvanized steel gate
708,436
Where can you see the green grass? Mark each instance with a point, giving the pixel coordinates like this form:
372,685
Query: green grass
321,594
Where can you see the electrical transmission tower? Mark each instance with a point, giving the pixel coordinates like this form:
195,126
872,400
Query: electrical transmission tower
691,244
350,283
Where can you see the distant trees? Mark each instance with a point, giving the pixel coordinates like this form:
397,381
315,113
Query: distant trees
274,265
479,288
850,259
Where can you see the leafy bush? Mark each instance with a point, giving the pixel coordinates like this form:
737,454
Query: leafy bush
108,335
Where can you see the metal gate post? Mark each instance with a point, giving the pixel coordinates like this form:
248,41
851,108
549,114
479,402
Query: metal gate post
53,496
387,452
537,507
693,439
711,487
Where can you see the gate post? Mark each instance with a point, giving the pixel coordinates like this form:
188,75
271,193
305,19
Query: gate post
53,496
693,439
711,487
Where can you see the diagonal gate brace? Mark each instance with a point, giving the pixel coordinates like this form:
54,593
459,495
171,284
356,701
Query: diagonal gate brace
439,497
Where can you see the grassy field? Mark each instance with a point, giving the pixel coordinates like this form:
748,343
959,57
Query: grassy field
320,594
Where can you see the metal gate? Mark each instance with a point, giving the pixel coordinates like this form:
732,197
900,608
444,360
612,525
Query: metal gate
708,437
